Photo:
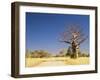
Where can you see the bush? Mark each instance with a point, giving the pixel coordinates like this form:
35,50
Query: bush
84,55
69,51
38,54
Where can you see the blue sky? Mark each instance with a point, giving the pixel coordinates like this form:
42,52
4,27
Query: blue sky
43,30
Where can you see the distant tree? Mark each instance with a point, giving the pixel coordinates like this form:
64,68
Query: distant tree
40,54
61,54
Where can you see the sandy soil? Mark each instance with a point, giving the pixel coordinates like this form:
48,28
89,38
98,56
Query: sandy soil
55,61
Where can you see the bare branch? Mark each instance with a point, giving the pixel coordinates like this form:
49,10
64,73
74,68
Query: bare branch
72,33
82,40
66,42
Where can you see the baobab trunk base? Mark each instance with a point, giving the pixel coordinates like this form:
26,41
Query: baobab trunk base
74,56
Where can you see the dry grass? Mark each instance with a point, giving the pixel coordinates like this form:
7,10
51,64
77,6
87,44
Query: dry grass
78,61
32,62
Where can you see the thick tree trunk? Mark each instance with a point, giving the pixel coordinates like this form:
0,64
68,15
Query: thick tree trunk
75,50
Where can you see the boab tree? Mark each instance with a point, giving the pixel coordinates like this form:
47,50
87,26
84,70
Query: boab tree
74,36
